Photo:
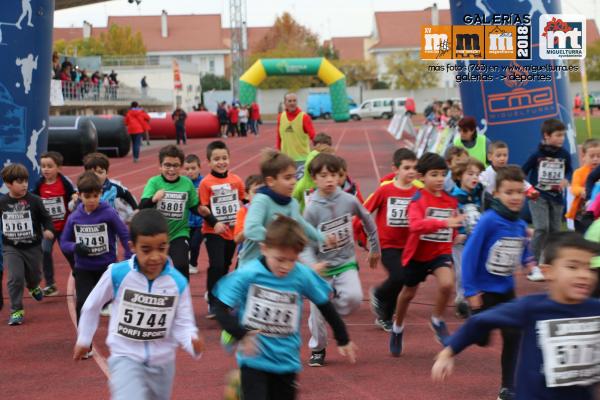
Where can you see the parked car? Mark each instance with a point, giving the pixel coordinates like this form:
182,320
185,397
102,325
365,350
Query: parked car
374,108
318,105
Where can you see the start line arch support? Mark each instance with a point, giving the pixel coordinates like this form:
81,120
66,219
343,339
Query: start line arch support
321,67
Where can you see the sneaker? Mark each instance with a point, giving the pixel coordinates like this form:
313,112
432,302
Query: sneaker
50,291
383,324
37,293
89,354
105,312
317,359
506,394
396,343
193,270
211,314
536,275
376,305
441,332
462,311
16,317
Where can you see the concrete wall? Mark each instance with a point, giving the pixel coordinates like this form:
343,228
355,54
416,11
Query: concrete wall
269,100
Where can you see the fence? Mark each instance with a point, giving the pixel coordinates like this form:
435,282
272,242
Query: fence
89,91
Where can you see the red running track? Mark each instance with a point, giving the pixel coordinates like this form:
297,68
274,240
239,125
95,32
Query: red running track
35,358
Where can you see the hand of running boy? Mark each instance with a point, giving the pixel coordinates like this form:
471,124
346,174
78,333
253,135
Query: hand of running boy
374,260
48,235
475,302
220,228
203,211
249,344
443,366
319,267
563,184
457,221
460,239
198,344
158,196
79,352
349,351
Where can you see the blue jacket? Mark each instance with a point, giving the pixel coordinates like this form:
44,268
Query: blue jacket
98,231
469,204
492,253
195,221
554,346
532,167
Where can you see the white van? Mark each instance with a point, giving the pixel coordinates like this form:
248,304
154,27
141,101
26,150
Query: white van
373,108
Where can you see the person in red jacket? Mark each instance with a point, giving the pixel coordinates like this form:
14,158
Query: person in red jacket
234,118
137,121
254,118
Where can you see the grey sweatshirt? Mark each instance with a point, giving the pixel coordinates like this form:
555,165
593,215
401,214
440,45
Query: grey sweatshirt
334,214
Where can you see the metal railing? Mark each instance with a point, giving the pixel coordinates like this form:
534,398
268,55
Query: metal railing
88,91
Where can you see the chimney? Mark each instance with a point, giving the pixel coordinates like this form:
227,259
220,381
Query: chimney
87,30
435,15
163,24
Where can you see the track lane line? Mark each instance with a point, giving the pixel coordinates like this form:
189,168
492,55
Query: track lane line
372,155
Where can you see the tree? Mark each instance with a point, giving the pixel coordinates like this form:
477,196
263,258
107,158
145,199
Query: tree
592,63
409,72
358,71
117,41
214,82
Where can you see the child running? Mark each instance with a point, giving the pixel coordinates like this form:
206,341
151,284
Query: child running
222,191
25,222
391,203
260,306
56,191
557,354
251,184
432,217
591,159
191,168
331,211
90,233
496,246
154,315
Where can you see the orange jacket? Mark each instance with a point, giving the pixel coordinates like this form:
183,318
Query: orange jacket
577,188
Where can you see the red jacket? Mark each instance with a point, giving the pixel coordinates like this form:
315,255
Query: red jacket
254,112
234,115
137,121
307,125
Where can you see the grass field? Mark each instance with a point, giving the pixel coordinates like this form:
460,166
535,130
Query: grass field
581,128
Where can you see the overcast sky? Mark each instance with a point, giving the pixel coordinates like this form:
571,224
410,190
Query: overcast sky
326,17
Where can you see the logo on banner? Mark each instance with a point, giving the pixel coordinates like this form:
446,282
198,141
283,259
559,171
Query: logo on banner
562,37
436,42
468,42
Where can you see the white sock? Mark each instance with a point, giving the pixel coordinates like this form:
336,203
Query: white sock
397,329
435,320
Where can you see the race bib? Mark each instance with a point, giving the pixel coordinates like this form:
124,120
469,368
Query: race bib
225,204
17,226
94,237
341,227
570,350
551,172
397,212
55,207
145,316
443,235
472,215
273,312
504,256
172,205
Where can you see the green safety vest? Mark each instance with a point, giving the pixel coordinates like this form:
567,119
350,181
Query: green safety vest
294,141
478,151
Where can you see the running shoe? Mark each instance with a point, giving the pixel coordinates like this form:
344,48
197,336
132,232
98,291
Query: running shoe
105,312
37,294
396,343
506,394
441,332
317,359
462,311
385,325
536,275
193,270
376,305
89,354
50,291
16,317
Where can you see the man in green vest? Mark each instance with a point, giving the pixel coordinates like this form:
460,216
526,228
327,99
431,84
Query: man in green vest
295,132
475,144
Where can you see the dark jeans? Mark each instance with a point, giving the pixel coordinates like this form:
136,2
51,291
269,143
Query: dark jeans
243,129
220,253
136,142
511,338
387,293
261,385
179,253
48,262
85,281
233,129
180,135
253,125
195,242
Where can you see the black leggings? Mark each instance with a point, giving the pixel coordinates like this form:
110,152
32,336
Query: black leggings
178,251
511,338
220,253
85,281
261,385
388,291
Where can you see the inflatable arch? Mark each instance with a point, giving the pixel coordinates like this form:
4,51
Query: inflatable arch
320,67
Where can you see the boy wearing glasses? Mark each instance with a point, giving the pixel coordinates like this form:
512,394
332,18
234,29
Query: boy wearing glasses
175,197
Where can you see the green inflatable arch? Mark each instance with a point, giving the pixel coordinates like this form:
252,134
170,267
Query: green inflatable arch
320,67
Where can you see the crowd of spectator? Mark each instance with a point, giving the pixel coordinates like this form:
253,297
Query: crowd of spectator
237,119
443,113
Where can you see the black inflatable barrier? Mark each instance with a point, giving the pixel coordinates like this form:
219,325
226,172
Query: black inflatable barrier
73,137
113,139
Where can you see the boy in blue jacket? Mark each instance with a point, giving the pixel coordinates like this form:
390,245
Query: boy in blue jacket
191,167
558,356
495,248
90,234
